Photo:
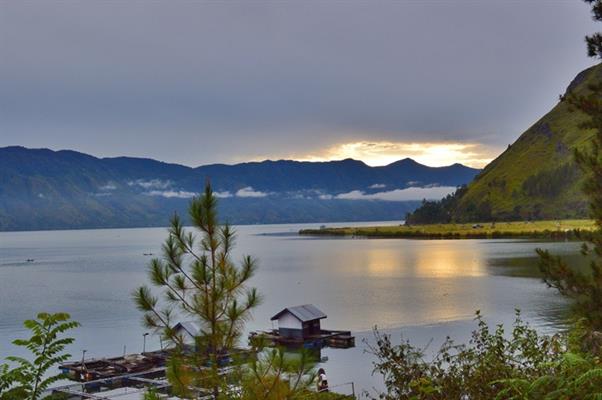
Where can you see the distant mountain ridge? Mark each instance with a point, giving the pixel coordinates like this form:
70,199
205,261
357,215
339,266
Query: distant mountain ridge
46,189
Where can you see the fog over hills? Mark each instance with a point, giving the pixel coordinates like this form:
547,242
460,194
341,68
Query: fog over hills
45,189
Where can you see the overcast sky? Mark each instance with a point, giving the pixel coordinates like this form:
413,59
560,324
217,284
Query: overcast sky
203,82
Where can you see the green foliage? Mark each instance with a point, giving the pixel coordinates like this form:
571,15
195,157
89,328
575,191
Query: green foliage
276,374
440,211
326,396
29,379
565,229
199,281
573,377
479,370
152,395
183,376
550,183
594,42
585,289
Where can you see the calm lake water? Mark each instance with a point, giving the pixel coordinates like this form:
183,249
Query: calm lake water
423,289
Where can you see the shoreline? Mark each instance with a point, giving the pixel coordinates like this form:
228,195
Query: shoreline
549,229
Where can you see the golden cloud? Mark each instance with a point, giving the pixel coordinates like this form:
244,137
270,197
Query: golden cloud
383,153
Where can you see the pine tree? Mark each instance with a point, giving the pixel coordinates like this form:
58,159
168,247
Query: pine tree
594,42
278,375
199,281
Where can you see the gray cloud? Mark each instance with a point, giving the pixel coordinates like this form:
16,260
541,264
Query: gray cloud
200,82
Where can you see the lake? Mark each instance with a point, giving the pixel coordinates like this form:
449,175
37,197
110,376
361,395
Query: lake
425,289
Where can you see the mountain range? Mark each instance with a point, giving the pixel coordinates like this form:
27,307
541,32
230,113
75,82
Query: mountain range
535,178
46,189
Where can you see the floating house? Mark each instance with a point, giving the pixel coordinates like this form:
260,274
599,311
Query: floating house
300,322
300,326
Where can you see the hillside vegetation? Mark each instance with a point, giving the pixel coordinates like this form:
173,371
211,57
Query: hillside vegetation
535,178
565,229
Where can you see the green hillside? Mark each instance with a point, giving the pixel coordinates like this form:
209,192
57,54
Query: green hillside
536,176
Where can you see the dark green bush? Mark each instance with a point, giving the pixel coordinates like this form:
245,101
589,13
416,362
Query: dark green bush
480,369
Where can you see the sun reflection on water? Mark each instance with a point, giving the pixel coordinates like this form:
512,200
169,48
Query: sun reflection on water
445,259
436,259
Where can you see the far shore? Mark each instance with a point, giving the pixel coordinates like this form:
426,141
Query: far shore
573,229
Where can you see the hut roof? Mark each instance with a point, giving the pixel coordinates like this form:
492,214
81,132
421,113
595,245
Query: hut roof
189,327
304,313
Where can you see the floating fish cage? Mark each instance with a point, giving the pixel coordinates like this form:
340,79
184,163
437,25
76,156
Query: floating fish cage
326,338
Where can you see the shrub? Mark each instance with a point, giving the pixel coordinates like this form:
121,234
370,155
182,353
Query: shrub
480,370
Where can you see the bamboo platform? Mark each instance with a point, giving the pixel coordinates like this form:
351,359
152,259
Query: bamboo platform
326,338
103,368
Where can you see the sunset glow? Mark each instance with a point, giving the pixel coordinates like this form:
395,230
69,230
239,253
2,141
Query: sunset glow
432,154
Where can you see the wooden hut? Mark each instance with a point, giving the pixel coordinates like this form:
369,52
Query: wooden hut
300,322
188,331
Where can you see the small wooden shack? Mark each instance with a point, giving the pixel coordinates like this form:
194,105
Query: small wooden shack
188,331
300,322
